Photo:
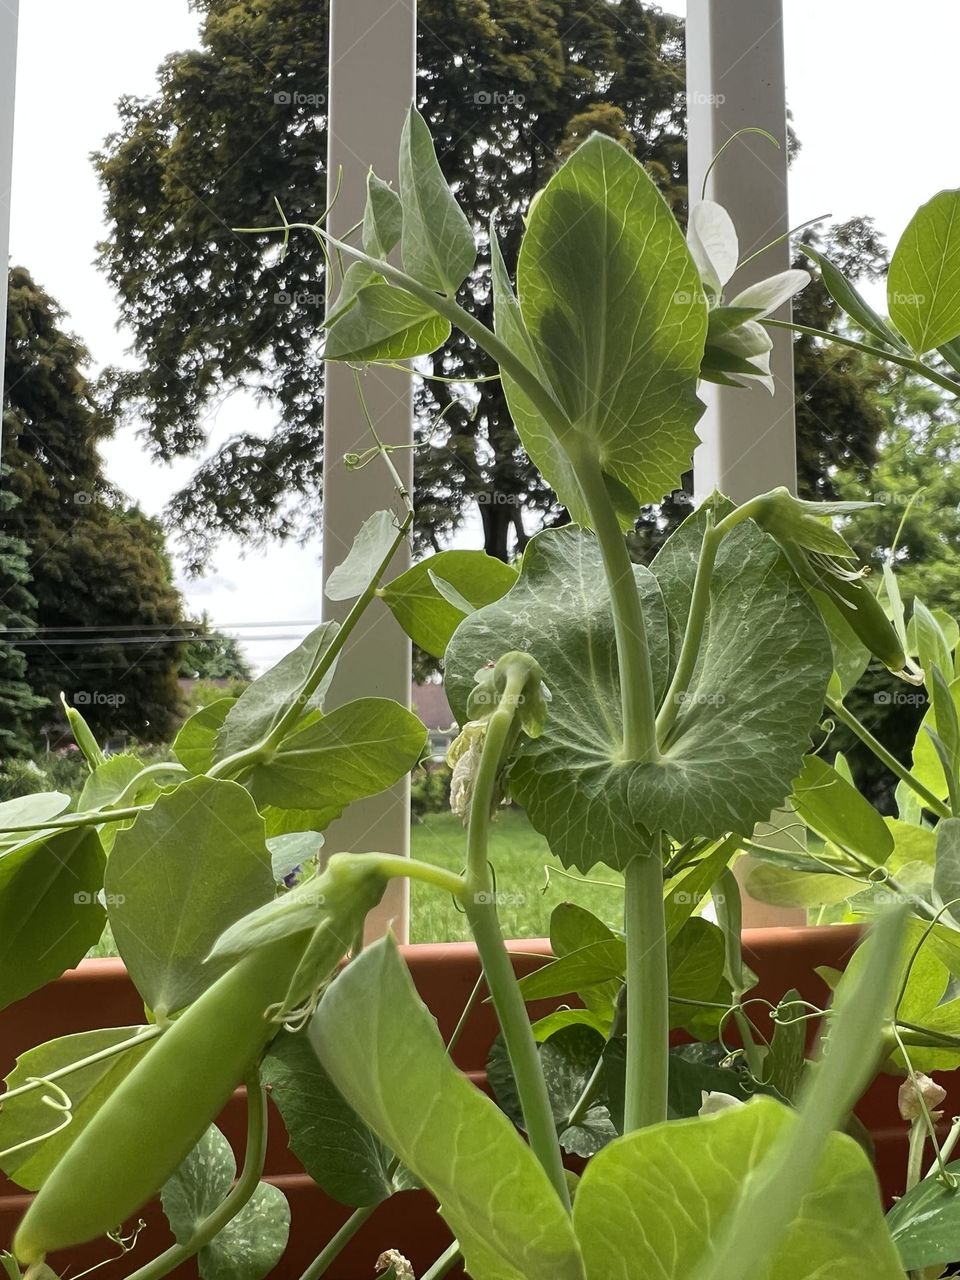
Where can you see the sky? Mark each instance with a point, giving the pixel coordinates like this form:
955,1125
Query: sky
873,93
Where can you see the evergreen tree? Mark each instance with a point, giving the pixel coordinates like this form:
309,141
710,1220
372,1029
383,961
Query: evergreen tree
108,617
18,704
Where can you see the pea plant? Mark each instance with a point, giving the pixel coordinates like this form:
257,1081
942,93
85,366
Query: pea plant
656,721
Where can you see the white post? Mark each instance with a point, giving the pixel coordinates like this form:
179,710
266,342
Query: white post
370,88
735,80
9,21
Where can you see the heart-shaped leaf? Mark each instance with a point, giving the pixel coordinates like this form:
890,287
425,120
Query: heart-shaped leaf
922,292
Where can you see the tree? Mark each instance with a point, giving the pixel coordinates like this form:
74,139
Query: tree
212,655
108,616
508,87
17,624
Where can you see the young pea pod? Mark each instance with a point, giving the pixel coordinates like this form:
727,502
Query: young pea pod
159,1112
82,735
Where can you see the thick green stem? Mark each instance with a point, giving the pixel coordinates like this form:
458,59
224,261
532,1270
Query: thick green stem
444,1264
481,910
648,1007
633,653
238,1197
857,727
92,818
336,1245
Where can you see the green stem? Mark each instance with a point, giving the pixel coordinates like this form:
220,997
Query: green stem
916,366
917,1142
336,1245
133,786
445,1263
481,911
633,654
237,764
92,818
883,755
648,1007
394,865
142,1037
729,908
696,618
238,1197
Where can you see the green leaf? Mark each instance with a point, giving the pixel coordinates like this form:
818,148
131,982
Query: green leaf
25,811
683,894
195,746
370,548
734,749
926,765
587,966
932,648
946,875
380,1045
925,1224
849,299
695,958
187,868
292,850
436,242
28,1116
835,810
568,1058
382,218
357,750
50,910
326,1135
570,780
783,1065
614,308
252,1243
573,927
383,322
922,293
109,780
540,442
785,887
427,618
262,704
626,1210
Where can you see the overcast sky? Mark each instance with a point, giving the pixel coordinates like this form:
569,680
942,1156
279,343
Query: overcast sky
873,93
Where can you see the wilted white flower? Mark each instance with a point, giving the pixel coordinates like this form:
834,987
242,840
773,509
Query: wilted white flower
463,757
713,1101
401,1267
913,1090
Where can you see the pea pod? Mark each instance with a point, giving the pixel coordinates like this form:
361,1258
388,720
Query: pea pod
160,1111
864,614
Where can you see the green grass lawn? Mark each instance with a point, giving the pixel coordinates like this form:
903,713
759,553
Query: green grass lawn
530,880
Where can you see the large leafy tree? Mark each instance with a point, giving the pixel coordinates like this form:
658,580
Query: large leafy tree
509,87
99,572
18,703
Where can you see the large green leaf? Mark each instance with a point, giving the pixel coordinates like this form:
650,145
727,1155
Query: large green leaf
755,696
380,1046
436,241
787,887
357,750
569,780
252,1243
923,284
370,548
829,805
195,746
30,810
615,312
335,1147
109,780
946,875
427,618
262,704
50,910
186,870
650,1204
384,323
926,764
27,1116
925,1224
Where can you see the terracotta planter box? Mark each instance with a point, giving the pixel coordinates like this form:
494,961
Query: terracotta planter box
98,993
